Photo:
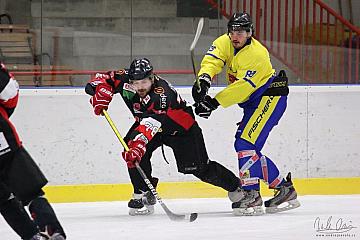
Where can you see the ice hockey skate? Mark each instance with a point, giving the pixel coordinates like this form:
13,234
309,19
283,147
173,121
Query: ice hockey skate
142,204
236,195
45,236
39,236
250,205
285,198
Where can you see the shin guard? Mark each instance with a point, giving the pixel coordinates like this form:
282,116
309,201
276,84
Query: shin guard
18,219
254,166
44,216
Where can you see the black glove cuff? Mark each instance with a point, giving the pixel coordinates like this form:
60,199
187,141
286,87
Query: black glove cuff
205,79
212,102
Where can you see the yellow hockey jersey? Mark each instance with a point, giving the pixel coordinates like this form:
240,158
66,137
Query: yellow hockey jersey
247,72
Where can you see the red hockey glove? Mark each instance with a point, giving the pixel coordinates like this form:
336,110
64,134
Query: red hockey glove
136,151
102,97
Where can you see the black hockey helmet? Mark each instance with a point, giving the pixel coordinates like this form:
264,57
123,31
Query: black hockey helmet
240,21
140,68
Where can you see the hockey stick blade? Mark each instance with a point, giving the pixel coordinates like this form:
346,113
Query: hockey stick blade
193,44
173,216
180,217
197,34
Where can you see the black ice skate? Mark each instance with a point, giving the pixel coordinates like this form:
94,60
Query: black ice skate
284,198
250,205
142,204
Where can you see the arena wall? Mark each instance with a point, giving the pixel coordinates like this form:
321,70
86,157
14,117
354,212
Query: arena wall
317,140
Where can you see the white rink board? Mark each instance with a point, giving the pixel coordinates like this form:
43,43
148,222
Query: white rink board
317,137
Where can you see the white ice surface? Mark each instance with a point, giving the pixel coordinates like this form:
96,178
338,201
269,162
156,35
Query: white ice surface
110,221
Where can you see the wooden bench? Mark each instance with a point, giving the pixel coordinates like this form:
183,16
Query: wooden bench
18,54
40,80
16,43
14,28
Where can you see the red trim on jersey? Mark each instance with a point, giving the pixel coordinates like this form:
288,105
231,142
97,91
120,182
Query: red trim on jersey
181,117
151,107
11,103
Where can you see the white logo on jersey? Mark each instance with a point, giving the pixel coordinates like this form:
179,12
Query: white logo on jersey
163,100
4,146
212,48
129,88
151,125
146,99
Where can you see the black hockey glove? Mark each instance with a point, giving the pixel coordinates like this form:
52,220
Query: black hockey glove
206,106
205,82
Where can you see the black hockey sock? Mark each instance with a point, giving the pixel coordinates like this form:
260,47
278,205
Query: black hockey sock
18,219
216,174
44,216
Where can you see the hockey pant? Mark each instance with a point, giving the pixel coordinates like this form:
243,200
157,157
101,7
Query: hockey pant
191,158
259,119
21,183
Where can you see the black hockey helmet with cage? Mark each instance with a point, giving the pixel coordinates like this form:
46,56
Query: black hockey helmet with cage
140,69
240,22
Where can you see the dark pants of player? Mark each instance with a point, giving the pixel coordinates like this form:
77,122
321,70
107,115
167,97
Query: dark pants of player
21,183
191,158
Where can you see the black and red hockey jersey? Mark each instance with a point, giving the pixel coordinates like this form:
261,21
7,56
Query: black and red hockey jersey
161,110
9,92
9,95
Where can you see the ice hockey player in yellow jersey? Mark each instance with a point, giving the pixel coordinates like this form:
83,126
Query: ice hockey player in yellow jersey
255,87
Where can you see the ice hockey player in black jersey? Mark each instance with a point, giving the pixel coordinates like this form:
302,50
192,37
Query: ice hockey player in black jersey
162,117
20,178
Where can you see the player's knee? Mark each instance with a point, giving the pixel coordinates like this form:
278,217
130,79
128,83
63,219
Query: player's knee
188,169
241,145
192,167
205,173
27,200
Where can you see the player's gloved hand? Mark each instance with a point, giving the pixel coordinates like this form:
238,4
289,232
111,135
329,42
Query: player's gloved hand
136,151
100,78
102,98
206,106
199,93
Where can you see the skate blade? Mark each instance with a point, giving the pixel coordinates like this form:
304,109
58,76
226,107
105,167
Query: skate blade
56,236
147,210
251,211
289,205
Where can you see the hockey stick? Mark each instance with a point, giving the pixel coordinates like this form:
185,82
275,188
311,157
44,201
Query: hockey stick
173,216
192,48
